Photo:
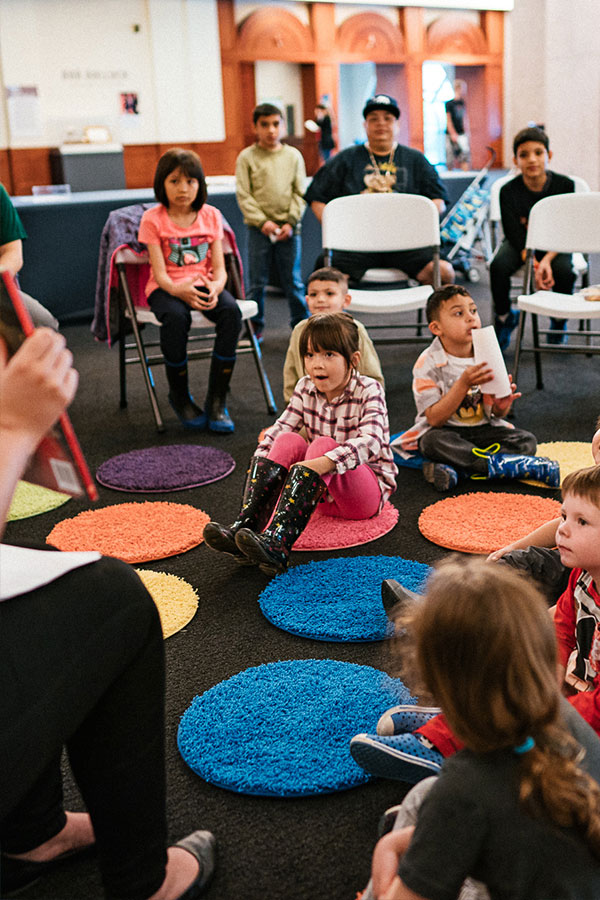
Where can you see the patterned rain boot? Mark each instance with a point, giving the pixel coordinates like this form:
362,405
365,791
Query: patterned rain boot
219,377
189,413
512,465
270,550
264,481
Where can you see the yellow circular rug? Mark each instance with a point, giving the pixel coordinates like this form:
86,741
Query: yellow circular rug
32,500
571,455
175,599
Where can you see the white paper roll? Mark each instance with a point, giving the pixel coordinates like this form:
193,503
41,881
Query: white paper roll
486,349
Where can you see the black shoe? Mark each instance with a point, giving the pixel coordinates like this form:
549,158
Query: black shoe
189,413
504,329
18,874
394,594
202,846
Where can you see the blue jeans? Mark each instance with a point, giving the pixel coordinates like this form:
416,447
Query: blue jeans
261,251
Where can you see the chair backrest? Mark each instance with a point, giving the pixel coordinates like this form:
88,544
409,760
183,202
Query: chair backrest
380,223
495,188
565,222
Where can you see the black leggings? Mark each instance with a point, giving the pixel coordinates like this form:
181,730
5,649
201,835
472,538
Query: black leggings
505,263
175,319
82,665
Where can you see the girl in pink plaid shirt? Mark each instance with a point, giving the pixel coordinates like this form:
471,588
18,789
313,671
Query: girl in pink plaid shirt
345,463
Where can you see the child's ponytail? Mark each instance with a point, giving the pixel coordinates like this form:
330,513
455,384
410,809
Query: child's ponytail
552,783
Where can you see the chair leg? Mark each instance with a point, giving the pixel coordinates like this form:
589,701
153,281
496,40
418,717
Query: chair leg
520,333
536,352
147,372
264,381
122,366
419,322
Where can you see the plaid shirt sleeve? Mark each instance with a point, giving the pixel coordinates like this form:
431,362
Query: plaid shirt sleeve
291,419
373,432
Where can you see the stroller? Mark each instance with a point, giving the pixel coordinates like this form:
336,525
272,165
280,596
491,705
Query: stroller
466,223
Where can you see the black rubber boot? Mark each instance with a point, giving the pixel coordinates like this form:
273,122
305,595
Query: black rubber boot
189,413
264,481
219,377
270,550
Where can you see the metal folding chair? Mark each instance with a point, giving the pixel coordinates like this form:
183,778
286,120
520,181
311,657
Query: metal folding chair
133,269
383,223
561,224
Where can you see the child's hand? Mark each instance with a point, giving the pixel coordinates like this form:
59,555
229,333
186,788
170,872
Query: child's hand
544,279
207,294
475,375
186,291
285,232
498,554
596,447
322,465
270,228
503,404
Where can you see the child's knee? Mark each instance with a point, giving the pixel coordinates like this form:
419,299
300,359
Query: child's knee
320,446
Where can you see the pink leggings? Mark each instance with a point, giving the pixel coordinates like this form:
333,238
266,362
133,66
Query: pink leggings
353,495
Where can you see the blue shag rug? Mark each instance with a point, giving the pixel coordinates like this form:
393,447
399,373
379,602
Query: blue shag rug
283,729
338,599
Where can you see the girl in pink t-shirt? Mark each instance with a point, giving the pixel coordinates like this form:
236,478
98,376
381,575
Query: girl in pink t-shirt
184,240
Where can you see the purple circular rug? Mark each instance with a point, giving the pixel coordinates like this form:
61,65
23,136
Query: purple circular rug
174,467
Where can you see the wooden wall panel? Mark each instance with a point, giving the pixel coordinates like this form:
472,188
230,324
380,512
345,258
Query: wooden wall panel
5,173
140,162
29,166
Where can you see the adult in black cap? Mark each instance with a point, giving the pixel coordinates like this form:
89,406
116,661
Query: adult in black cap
380,165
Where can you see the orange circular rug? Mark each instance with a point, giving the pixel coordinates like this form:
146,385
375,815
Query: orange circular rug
133,532
480,523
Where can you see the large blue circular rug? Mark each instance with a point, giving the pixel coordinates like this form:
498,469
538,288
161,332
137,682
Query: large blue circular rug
174,467
338,599
283,729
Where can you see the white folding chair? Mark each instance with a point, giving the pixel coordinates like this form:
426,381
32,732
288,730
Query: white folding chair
383,223
560,224
136,315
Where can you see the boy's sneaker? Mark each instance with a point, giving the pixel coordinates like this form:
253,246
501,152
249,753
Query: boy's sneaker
504,328
440,475
405,719
405,757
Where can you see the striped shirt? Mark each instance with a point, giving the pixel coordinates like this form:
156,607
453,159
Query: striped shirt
357,419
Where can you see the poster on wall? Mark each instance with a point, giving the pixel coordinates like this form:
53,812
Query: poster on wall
24,114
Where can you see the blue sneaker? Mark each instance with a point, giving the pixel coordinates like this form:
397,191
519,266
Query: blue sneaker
405,719
559,327
440,475
504,329
404,757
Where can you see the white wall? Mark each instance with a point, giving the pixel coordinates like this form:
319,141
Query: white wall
552,75
280,83
81,56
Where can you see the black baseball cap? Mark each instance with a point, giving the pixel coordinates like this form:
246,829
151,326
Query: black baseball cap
382,101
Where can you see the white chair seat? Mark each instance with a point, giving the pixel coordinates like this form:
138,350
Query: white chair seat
559,306
248,308
402,300
383,276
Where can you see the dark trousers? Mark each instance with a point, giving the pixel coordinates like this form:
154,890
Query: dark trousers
354,265
505,263
82,665
454,445
175,319
262,252
544,566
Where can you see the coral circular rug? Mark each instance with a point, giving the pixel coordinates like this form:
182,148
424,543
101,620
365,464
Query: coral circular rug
174,467
482,522
133,532
175,599
571,455
33,500
333,533
338,599
283,729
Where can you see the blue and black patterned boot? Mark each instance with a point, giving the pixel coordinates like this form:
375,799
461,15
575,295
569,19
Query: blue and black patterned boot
270,550
511,465
264,480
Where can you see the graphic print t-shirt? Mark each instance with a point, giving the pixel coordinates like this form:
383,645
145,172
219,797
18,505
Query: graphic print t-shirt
186,251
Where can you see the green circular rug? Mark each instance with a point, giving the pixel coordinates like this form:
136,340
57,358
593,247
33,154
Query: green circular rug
33,500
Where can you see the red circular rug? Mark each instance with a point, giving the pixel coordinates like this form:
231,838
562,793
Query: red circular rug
331,533
483,522
133,532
